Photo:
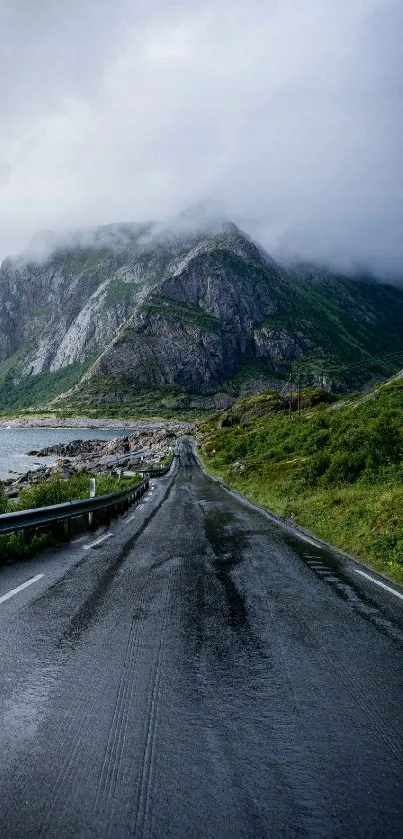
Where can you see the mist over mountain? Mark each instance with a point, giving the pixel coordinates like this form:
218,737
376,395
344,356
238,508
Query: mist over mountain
287,113
192,304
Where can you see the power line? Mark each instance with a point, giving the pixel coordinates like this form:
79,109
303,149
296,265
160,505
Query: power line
326,365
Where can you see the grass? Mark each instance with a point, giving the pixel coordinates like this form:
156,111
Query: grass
56,490
45,493
187,312
34,391
336,470
120,397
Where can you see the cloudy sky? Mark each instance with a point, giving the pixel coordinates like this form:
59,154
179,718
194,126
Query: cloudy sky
290,113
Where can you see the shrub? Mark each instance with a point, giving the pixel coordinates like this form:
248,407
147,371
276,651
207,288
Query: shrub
3,498
56,490
317,440
344,467
45,493
316,467
385,442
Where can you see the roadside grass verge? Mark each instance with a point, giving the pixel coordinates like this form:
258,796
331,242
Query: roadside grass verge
336,470
45,493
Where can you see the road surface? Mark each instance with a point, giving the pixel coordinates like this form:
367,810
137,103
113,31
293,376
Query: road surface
202,671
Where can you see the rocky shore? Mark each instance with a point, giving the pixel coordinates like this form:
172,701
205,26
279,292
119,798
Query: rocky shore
80,422
149,446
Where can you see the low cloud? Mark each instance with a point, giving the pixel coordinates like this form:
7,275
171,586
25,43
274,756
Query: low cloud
289,114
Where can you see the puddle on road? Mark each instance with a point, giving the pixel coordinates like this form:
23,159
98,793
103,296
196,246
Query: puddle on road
25,709
228,543
331,570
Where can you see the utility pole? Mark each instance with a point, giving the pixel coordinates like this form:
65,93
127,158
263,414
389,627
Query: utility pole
299,394
290,406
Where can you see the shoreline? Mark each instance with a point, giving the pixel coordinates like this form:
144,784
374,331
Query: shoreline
95,445
86,422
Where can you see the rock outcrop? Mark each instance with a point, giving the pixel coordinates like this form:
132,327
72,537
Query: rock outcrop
149,446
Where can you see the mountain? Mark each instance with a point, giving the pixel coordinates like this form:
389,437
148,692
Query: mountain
127,309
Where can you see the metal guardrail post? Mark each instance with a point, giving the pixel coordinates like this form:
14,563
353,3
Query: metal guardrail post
58,516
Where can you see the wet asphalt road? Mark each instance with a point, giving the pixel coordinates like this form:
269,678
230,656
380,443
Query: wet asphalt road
203,672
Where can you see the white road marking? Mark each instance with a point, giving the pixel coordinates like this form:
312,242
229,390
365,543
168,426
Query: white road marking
97,541
310,541
130,519
20,588
378,583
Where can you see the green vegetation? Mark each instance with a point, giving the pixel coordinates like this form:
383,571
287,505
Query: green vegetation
79,260
165,461
343,320
337,469
56,490
119,293
119,396
37,390
15,363
181,310
44,493
3,499
246,378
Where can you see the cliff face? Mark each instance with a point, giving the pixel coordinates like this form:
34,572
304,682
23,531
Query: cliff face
201,323
67,307
156,308
228,303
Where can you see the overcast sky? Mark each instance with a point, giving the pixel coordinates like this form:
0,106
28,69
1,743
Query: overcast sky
288,111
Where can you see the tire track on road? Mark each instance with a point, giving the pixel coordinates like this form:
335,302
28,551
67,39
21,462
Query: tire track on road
117,732
122,752
142,807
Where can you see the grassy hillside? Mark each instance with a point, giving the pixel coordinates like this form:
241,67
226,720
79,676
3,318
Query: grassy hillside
336,469
37,390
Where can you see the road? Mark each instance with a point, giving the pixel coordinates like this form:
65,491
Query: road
203,671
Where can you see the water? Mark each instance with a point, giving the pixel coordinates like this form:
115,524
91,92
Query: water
16,442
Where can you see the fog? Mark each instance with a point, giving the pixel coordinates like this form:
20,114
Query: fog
289,115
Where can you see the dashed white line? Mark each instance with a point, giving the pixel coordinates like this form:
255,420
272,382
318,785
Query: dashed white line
378,583
130,519
20,588
97,541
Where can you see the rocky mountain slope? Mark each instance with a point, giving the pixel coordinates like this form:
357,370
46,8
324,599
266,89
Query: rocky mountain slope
60,309
131,308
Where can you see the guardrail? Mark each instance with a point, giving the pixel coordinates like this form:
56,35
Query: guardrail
60,514
155,473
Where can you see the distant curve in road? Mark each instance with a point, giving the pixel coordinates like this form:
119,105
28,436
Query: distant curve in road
202,672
